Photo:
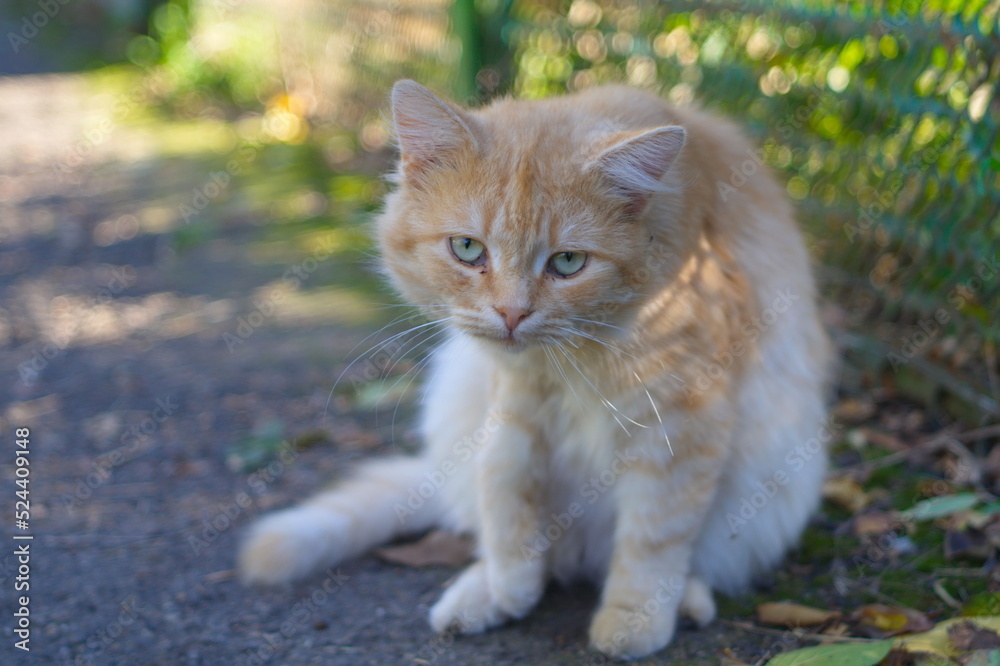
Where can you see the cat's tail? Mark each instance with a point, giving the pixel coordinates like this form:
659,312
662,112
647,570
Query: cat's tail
370,508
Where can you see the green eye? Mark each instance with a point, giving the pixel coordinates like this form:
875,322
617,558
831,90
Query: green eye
468,250
565,264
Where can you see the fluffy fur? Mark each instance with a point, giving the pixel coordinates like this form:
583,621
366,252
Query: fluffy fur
653,422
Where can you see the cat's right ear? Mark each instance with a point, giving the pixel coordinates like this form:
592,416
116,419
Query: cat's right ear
430,131
636,162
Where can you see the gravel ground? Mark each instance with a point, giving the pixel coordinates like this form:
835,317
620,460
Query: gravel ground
114,357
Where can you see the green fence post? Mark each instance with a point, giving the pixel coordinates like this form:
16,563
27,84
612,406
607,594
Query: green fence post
466,27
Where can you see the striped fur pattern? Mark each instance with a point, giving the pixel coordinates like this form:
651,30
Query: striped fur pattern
615,424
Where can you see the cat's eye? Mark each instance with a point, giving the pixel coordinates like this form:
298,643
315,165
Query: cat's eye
565,264
468,250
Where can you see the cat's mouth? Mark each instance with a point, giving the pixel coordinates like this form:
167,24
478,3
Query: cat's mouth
509,341
512,342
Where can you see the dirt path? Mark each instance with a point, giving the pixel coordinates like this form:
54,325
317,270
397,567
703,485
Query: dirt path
115,356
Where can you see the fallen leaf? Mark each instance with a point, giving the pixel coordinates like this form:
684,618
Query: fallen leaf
939,507
787,614
966,636
438,547
891,620
875,522
936,641
839,654
837,629
253,452
846,492
852,409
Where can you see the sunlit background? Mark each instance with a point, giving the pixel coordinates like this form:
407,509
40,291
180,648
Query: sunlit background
881,117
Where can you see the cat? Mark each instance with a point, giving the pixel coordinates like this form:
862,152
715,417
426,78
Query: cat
633,387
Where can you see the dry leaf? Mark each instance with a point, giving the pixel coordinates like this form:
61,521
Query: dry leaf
837,629
966,636
937,641
875,522
846,492
438,547
884,439
852,409
891,620
787,614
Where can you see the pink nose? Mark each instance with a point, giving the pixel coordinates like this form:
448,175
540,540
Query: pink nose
513,316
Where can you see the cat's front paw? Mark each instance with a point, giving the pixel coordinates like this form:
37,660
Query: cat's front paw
697,603
516,588
467,607
630,633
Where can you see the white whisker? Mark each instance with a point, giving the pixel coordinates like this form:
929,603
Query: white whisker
655,411
604,400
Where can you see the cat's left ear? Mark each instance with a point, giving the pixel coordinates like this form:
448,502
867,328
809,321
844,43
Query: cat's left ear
430,131
635,164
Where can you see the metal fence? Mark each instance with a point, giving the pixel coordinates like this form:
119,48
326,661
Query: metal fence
884,120
882,117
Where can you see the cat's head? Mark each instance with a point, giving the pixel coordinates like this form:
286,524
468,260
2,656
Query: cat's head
526,222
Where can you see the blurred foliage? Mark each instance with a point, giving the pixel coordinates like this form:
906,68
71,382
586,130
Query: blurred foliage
882,118
62,35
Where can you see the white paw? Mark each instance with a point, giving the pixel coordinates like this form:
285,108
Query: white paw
288,545
630,633
516,588
467,607
697,603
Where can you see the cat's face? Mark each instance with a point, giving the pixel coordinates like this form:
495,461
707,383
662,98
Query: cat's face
514,232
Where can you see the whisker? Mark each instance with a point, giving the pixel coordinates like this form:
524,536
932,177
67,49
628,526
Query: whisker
618,350
552,355
377,347
604,400
600,342
601,323
655,411
415,370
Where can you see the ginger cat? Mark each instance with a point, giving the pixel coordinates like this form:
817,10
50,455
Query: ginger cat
633,389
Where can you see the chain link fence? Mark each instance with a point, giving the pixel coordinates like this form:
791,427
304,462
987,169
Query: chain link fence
881,117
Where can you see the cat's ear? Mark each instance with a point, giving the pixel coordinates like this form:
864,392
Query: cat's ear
635,164
429,130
